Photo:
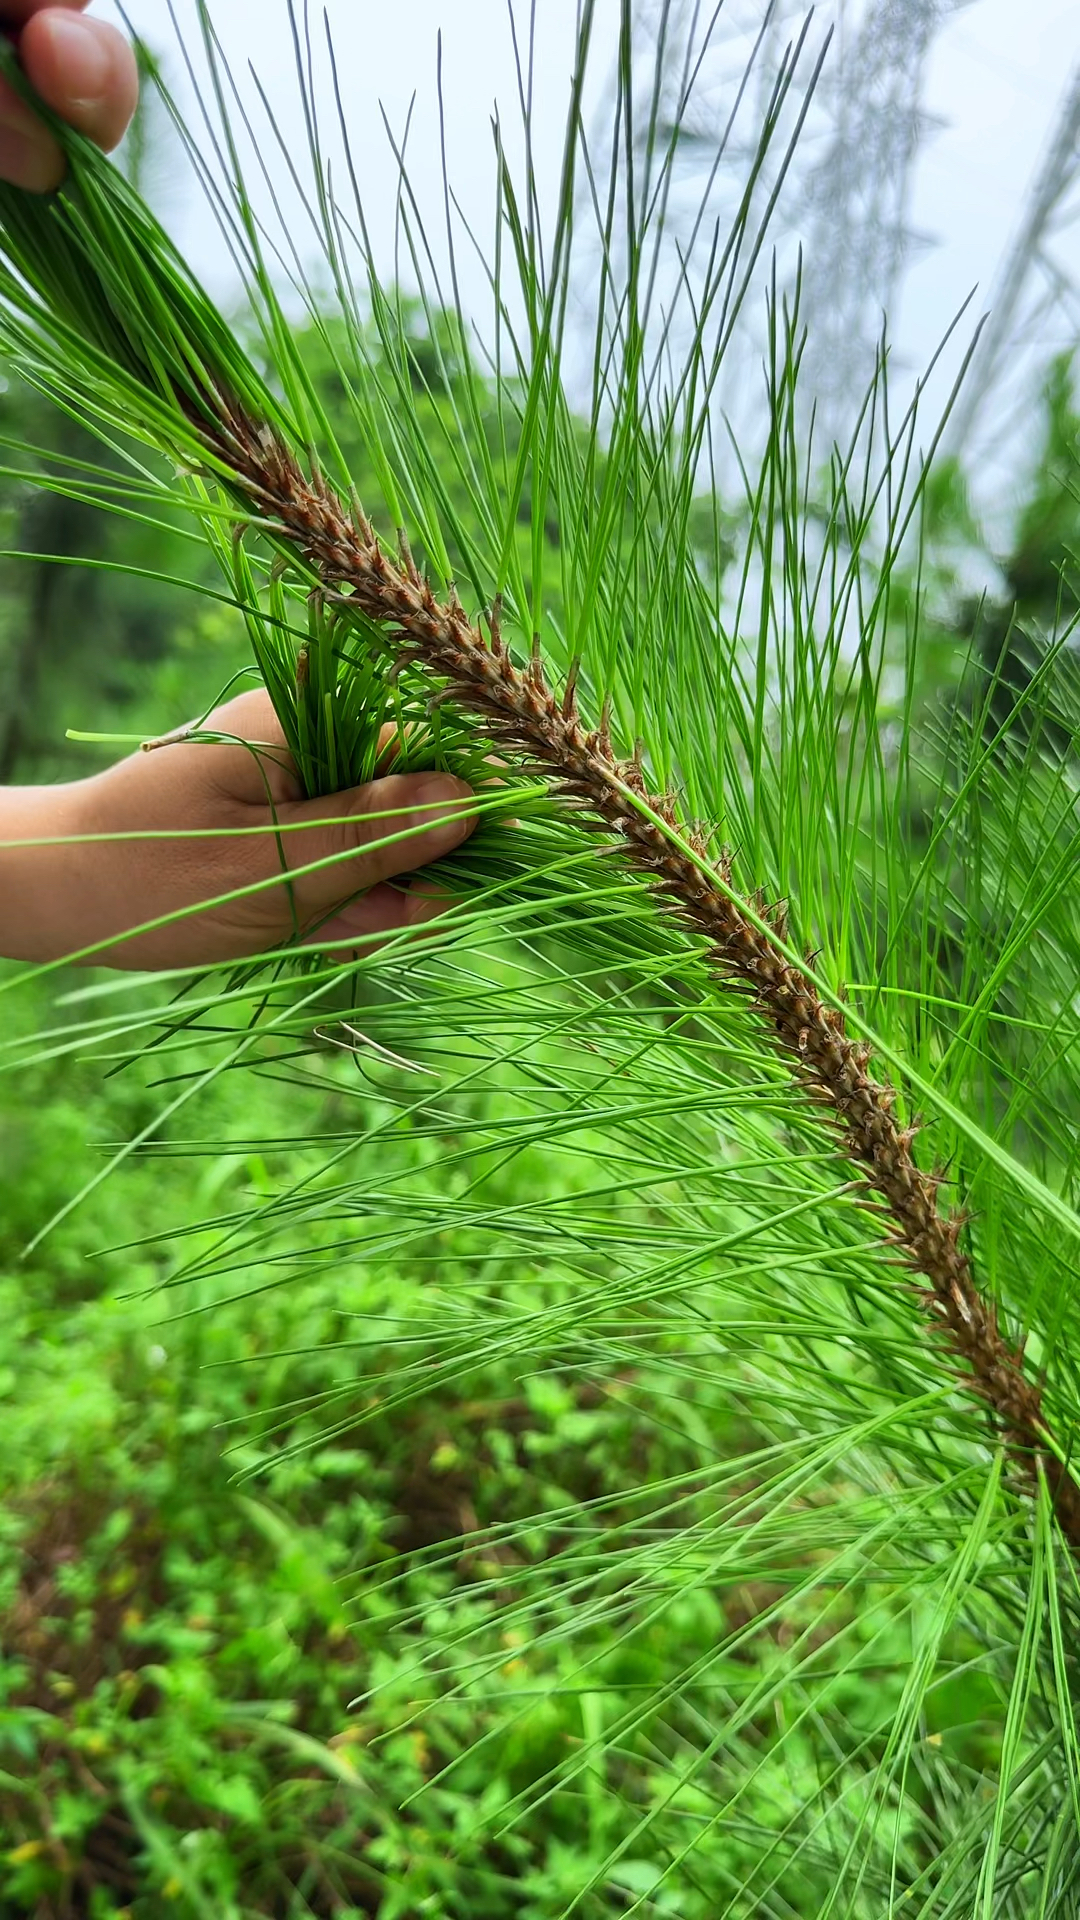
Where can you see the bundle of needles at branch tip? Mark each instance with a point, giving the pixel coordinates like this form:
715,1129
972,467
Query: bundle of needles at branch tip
100,311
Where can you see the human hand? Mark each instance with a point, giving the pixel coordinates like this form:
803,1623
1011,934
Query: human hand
83,69
60,899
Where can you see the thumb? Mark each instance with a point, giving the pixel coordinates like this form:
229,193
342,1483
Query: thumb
371,834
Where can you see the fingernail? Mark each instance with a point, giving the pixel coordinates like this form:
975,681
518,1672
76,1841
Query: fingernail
439,790
83,58
381,910
424,903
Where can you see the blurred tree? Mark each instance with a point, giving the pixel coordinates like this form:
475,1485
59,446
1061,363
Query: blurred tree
75,640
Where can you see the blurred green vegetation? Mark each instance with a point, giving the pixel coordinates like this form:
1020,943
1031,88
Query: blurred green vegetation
179,1649
191,1584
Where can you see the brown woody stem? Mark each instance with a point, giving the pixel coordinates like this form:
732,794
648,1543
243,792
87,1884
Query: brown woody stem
522,713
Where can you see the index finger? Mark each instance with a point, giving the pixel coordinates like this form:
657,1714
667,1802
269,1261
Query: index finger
81,67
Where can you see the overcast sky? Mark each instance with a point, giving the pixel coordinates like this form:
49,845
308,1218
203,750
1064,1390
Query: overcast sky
996,77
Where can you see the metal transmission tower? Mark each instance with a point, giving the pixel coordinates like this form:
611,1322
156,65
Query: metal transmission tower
846,203
1036,294
704,53
708,77
854,214
704,74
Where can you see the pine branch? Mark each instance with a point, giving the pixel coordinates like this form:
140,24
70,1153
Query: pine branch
523,714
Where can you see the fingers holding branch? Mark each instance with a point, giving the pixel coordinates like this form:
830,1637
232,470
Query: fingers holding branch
84,69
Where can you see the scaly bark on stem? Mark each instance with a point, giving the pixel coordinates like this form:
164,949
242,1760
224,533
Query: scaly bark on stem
522,713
